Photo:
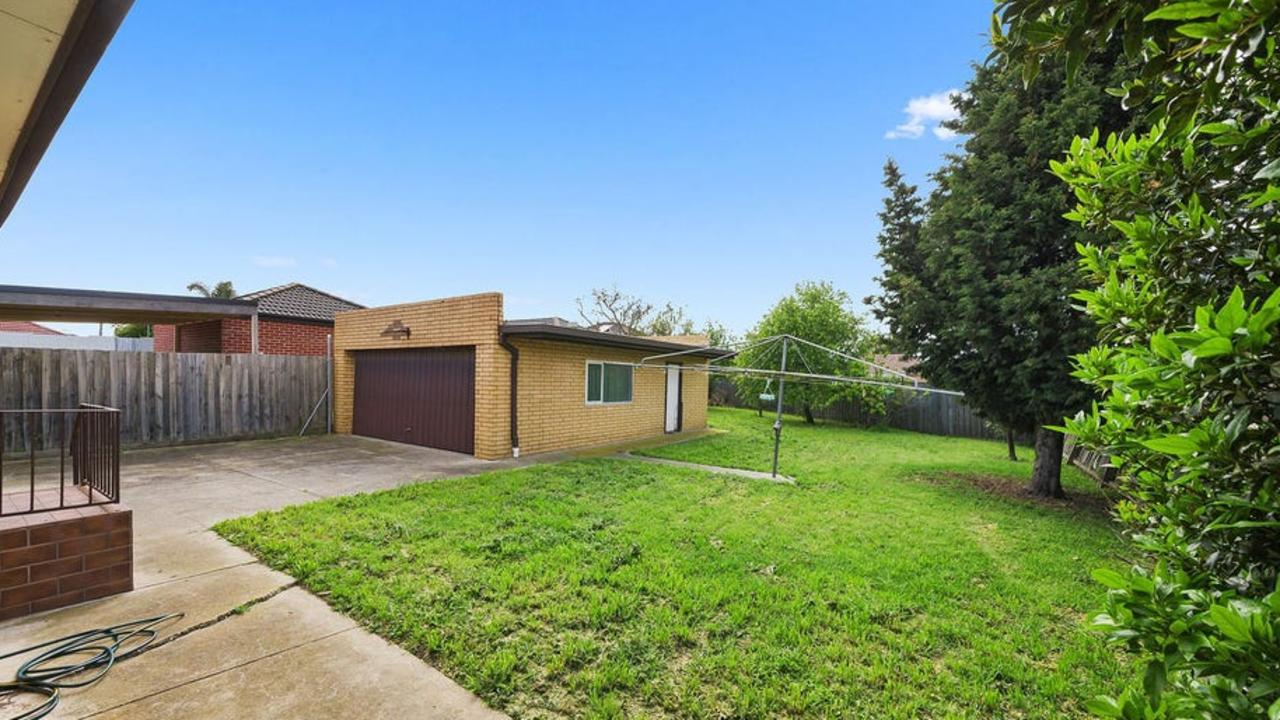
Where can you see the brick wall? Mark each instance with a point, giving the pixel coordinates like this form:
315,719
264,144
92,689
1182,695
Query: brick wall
275,337
553,413
552,408
165,338
201,337
450,322
73,556
237,336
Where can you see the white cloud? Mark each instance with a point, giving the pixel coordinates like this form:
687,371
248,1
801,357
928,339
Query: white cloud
274,261
927,111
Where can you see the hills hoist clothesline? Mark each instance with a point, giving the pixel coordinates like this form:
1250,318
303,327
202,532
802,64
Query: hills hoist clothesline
790,343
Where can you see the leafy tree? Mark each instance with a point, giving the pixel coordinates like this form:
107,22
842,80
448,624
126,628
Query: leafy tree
1185,291
669,320
222,289
821,314
133,330
717,334
901,221
905,289
976,282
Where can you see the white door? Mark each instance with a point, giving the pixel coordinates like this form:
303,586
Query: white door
673,398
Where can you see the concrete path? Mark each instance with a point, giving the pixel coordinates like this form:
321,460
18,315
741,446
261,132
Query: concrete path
251,645
749,474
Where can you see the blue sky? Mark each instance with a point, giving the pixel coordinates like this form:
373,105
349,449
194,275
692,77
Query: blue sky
709,153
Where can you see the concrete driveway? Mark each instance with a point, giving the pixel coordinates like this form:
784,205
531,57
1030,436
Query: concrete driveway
252,645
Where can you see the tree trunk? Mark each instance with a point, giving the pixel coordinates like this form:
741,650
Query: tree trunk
808,413
1013,449
1046,475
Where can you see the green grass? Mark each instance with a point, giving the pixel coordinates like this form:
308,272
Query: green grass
880,585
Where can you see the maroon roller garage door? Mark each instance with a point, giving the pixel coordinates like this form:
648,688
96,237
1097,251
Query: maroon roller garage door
424,397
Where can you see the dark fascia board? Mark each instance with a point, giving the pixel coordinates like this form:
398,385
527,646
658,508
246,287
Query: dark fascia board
290,319
92,26
541,331
294,319
19,302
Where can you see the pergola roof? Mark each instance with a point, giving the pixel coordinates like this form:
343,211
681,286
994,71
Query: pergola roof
47,51
71,305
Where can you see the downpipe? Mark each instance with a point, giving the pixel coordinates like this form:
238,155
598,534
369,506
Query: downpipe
514,388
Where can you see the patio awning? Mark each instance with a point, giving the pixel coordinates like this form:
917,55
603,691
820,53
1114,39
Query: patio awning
47,51
104,306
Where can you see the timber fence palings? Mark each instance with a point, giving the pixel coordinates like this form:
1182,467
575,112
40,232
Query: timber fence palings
164,398
931,413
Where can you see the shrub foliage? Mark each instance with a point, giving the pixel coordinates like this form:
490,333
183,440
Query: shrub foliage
1188,364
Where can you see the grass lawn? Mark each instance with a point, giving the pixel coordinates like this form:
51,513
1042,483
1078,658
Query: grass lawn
882,584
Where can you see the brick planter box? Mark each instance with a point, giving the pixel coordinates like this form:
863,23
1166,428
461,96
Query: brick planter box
62,557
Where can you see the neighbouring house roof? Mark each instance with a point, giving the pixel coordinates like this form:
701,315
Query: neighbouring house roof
553,320
299,302
547,329
694,339
23,326
609,327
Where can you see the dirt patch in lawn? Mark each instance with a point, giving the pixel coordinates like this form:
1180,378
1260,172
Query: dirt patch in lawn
1096,503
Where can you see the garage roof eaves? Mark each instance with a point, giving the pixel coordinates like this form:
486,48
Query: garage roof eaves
549,331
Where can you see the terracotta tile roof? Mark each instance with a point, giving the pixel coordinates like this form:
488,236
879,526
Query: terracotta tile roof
22,326
303,302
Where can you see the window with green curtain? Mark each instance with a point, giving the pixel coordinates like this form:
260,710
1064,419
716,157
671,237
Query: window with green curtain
617,383
608,382
594,381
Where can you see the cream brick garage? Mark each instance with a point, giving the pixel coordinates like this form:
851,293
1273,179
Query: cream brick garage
554,415
552,409
473,320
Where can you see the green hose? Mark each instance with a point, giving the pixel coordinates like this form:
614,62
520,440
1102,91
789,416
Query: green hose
58,667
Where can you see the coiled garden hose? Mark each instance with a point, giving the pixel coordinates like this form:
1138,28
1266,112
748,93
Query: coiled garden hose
77,660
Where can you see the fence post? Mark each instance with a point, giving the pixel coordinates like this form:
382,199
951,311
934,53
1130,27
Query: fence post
328,383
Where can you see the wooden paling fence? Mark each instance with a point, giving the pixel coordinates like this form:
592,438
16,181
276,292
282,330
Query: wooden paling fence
922,412
1093,463
163,398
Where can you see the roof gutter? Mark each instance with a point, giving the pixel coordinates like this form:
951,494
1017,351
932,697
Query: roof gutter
544,331
515,386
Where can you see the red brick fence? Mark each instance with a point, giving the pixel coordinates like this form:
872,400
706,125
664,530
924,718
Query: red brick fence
85,555
64,536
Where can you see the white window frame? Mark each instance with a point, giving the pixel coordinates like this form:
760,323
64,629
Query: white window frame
586,382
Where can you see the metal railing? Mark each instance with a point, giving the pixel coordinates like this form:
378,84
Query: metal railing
58,459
